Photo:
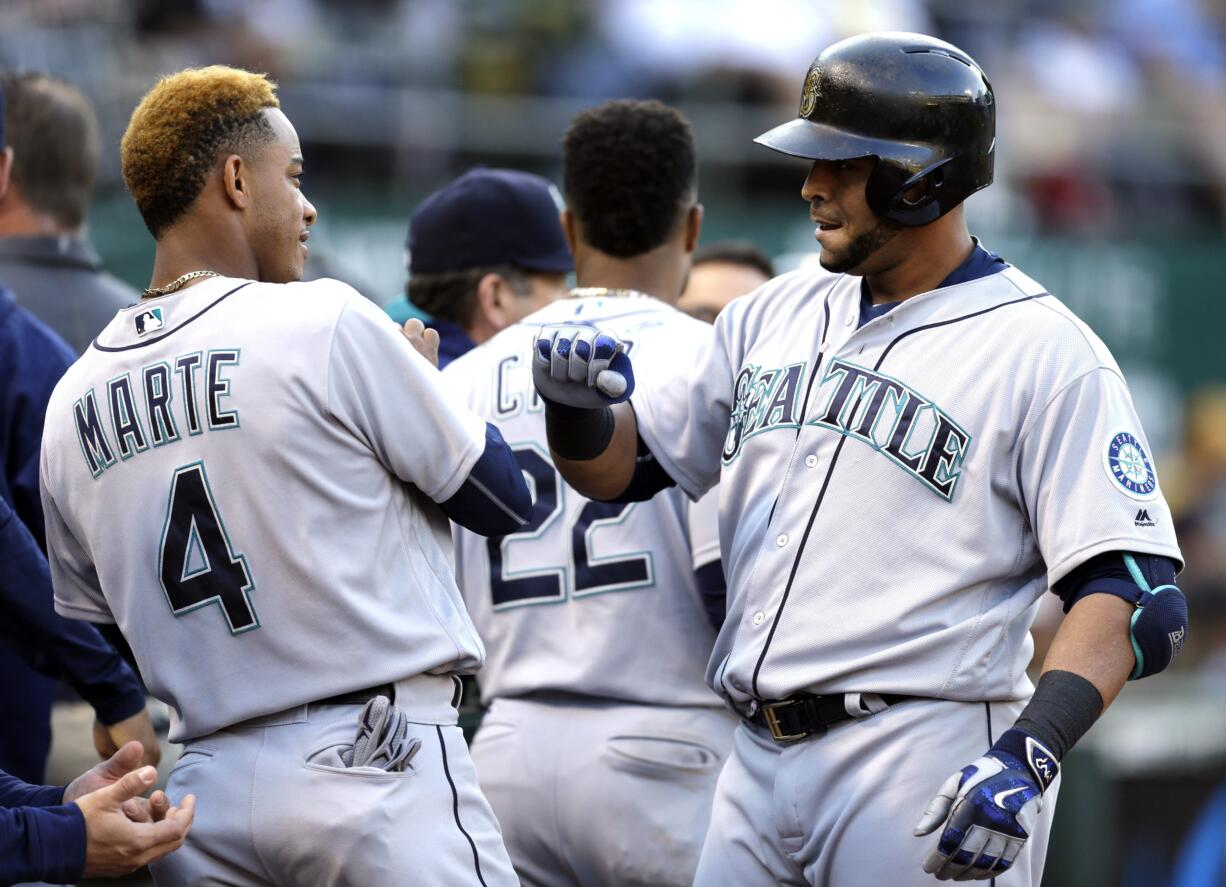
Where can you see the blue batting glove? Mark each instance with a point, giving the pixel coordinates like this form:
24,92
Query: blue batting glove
988,809
581,366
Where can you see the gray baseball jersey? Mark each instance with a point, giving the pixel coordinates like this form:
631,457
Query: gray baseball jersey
592,598
239,475
896,497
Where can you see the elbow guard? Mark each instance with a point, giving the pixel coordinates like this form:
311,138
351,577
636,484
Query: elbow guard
1159,624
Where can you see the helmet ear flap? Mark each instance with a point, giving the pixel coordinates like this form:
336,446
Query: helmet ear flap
914,201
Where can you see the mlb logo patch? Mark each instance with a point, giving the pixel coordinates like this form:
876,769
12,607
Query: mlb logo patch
149,320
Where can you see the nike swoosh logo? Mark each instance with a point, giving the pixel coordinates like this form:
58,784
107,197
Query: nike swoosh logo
999,798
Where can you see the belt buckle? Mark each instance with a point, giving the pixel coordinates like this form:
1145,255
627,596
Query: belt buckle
769,710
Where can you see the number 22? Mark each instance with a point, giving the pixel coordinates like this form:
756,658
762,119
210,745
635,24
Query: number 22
547,584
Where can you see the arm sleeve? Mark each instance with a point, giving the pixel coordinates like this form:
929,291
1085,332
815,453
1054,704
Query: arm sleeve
1086,477
494,499
58,647
17,793
42,844
398,404
703,525
38,359
683,413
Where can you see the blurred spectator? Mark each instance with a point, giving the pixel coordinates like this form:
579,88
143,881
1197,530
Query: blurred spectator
45,257
485,251
720,273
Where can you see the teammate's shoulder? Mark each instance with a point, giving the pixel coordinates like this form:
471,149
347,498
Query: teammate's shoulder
779,299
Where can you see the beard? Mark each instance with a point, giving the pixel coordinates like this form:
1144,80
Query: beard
860,248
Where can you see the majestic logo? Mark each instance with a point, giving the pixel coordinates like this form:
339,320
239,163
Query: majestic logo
1143,519
1127,463
150,320
808,96
893,419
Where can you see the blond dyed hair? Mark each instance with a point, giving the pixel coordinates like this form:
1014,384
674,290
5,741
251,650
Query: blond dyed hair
179,130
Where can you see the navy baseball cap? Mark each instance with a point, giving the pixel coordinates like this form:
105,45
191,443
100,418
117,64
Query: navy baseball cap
489,217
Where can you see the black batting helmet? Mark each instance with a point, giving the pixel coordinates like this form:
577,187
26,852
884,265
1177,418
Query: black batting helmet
921,106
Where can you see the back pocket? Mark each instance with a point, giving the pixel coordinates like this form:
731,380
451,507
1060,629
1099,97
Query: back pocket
662,755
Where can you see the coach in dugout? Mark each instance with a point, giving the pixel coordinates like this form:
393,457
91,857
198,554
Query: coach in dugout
485,251
32,359
45,257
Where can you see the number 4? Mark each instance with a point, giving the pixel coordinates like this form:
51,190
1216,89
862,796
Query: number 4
197,565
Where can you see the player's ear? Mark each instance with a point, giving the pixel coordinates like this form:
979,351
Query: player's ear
6,168
234,181
693,227
490,308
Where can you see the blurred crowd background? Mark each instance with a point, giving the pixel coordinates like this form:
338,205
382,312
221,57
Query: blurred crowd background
1110,189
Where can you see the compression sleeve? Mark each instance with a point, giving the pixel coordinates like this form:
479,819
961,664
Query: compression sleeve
494,499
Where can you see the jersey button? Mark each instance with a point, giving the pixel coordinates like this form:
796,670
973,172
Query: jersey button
759,617
781,540
811,460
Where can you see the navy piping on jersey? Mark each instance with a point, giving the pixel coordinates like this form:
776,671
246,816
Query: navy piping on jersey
169,333
988,707
455,806
834,461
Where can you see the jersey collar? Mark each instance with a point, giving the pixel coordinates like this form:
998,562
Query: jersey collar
980,263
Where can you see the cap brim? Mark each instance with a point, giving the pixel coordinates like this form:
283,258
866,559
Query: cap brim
557,262
820,141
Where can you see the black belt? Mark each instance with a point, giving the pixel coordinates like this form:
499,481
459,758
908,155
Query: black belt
360,697
804,714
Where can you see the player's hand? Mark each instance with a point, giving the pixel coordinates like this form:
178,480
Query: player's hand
988,809
114,843
581,366
424,341
110,771
109,738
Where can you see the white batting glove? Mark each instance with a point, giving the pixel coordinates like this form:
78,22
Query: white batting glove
581,366
988,809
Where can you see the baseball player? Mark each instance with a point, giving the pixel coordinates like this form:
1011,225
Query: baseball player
912,444
602,743
229,478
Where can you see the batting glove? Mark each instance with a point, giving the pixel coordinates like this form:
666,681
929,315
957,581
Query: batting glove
581,366
988,809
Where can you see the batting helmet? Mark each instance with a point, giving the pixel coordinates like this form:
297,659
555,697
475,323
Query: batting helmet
921,106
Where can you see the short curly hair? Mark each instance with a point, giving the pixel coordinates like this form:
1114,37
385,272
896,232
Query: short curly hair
181,127
629,173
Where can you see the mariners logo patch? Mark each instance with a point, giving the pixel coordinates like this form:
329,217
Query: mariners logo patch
150,320
808,96
1130,467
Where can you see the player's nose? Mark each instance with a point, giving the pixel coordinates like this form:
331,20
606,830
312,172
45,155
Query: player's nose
817,184
309,215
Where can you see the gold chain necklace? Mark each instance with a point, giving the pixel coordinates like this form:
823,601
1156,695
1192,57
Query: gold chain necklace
176,284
